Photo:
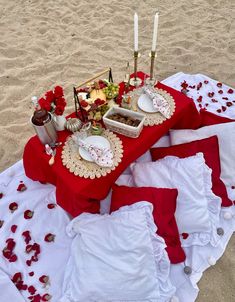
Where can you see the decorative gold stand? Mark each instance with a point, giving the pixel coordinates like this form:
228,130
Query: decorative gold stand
135,81
151,80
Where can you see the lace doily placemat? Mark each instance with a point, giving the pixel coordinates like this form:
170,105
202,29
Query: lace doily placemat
155,118
72,160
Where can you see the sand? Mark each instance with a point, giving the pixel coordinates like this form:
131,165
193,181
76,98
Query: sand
47,43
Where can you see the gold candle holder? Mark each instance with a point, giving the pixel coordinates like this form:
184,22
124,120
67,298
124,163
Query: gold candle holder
151,80
135,81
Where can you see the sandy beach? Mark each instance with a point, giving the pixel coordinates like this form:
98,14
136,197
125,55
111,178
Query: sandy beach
49,43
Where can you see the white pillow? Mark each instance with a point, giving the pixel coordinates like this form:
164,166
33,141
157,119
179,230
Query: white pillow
226,135
190,177
117,258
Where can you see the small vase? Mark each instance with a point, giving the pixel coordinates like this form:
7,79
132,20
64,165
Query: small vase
59,121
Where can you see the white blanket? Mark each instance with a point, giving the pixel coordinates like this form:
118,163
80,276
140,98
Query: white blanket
54,255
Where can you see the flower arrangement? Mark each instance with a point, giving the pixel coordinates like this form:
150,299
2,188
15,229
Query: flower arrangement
53,101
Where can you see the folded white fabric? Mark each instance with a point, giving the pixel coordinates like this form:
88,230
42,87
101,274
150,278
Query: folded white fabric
197,211
101,156
225,133
117,258
159,102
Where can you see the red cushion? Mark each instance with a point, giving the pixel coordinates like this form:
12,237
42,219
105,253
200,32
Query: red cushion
164,202
210,148
209,118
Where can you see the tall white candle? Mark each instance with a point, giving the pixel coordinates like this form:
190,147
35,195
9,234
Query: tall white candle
155,28
135,32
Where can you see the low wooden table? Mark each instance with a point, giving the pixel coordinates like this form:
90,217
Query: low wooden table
76,194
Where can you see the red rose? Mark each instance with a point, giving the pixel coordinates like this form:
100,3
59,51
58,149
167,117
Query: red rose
13,207
58,92
59,110
28,214
50,97
44,104
60,102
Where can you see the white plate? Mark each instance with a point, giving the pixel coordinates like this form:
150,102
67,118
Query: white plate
95,140
145,104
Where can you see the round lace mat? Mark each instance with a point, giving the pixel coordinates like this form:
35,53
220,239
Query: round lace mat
152,118
72,160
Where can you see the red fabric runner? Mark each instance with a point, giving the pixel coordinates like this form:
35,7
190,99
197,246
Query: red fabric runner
76,194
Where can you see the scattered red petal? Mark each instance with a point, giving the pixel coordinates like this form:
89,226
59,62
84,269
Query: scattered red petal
31,274
229,104
13,258
51,205
10,244
192,87
233,187
224,98
1,195
206,104
46,297
28,248
218,110
32,290
230,91
17,277
13,207
211,94
200,105
13,228
184,85
223,108
27,236
199,85
28,262
206,82
219,85
214,101
199,99
49,237
6,253
220,91
28,214
34,258
44,279
21,187
185,235
1,223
